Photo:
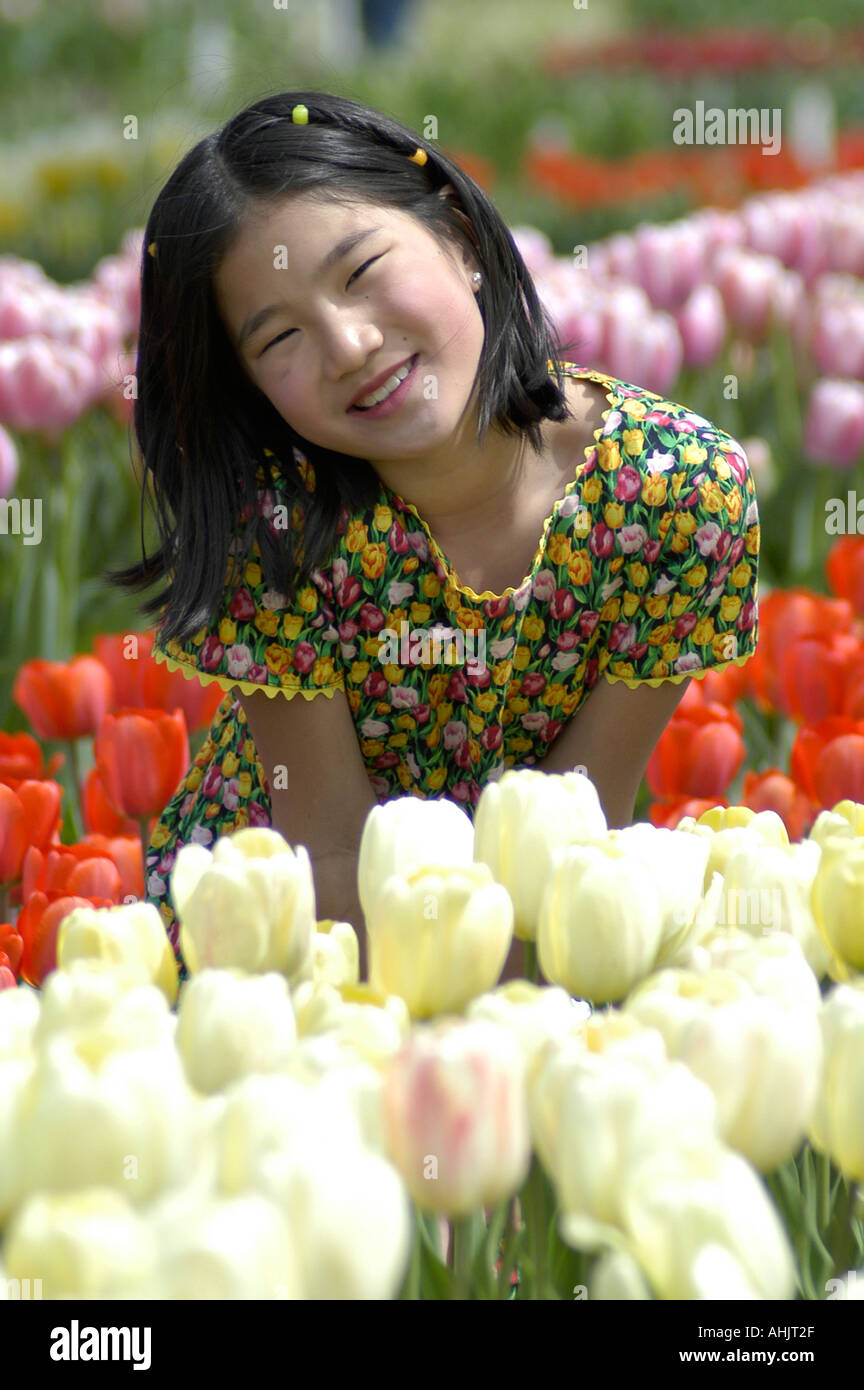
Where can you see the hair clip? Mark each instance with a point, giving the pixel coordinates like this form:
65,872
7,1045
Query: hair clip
300,116
152,249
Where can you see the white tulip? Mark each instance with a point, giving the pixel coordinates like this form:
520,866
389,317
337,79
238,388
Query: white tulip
94,1115
80,1001
521,820
230,1025
601,922
130,936
616,1276
408,834
773,966
16,1080
19,1018
371,1025
439,937
248,904
702,1226
227,1248
535,1014
767,888
595,1114
85,1244
678,861
837,1122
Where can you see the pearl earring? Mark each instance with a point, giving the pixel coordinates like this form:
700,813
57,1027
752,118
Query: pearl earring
477,278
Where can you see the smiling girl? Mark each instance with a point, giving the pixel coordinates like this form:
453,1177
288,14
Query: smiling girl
356,415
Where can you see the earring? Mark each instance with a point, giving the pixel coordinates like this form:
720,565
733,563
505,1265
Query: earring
477,278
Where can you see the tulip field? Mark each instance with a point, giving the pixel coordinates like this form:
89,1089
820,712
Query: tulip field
669,1106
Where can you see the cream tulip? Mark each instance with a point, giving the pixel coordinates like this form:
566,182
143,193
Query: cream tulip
231,1025
535,1014
86,1244
349,1219
773,966
455,1114
16,1079
19,1019
248,904
130,936
601,921
838,899
702,1227
227,1248
761,1060
767,889
594,1114
94,1115
83,1001
371,1025
731,828
521,820
407,834
837,1121
439,937
334,958
678,862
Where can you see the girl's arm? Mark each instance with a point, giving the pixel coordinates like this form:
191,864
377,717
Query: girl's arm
612,736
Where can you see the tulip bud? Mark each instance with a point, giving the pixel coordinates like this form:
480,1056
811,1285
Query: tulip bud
439,937
837,1123
130,936
406,835
521,820
838,898
601,922
248,904
456,1118
230,1024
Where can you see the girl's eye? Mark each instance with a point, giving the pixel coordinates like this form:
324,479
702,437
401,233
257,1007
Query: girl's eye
289,331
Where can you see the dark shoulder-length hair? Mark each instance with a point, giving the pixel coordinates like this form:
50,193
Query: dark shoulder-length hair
202,425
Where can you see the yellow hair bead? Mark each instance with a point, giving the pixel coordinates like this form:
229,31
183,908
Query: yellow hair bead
152,249
300,115
418,157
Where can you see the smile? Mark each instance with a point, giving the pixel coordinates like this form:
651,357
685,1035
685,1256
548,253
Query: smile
396,395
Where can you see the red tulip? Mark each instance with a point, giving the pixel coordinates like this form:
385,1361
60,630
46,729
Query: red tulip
21,758
814,674
125,850
11,947
64,700
38,922
100,818
29,815
140,682
784,615
87,870
699,753
772,790
827,760
141,755
844,569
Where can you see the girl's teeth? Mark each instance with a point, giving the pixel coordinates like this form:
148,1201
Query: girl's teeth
386,390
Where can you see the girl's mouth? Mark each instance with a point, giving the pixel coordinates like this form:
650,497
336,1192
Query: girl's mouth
393,402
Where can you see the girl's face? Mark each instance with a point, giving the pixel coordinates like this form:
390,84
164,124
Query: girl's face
313,335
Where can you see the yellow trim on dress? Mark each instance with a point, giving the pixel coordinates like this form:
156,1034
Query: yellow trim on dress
246,687
681,676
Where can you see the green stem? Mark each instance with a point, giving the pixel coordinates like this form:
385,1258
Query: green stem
4,901
145,840
465,1232
75,773
411,1289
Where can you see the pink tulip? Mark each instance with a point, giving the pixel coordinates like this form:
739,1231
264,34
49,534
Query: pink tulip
669,262
845,238
701,322
620,251
749,284
837,340
456,1117
44,385
8,464
834,427
645,349
718,229
534,247
117,281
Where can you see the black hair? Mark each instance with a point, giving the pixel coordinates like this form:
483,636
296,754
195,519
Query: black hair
202,425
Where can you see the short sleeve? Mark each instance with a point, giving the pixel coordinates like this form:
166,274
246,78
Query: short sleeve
255,639
680,587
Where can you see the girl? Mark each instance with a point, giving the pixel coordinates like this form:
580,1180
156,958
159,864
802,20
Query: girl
343,368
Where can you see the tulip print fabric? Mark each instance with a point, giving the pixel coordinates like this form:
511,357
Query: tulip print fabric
647,571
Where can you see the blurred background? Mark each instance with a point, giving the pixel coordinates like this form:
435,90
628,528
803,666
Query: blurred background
719,275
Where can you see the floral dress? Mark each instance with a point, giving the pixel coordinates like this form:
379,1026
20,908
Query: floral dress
646,571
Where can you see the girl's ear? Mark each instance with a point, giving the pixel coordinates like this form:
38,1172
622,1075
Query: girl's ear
446,191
